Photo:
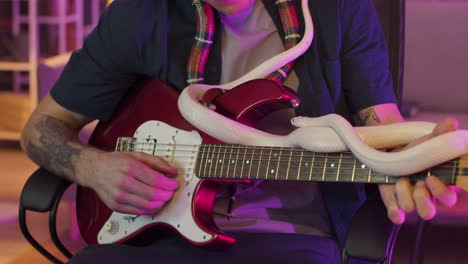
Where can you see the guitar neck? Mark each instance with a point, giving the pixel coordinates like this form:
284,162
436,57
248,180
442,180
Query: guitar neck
236,162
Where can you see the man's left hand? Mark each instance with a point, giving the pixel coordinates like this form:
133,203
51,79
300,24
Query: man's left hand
404,197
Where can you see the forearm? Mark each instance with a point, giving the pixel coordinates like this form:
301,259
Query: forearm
378,115
54,145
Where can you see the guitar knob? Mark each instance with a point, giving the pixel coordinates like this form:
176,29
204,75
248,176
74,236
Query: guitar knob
295,102
111,227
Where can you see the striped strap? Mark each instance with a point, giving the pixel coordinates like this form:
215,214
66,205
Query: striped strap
204,40
291,36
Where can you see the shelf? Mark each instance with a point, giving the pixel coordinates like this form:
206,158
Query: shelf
10,135
14,112
14,66
51,19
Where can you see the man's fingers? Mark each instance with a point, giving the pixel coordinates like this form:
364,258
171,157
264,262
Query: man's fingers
154,178
387,192
155,162
447,125
447,196
404,190
424,203
149,193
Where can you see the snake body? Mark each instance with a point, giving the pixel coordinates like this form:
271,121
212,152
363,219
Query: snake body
330,133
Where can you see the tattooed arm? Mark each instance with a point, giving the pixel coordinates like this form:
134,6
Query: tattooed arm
403,197
131,183
50,138
378,115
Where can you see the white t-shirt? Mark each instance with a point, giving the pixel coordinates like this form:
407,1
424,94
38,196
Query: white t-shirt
249,38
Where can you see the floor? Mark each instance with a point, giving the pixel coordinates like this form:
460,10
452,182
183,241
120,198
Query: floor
447,241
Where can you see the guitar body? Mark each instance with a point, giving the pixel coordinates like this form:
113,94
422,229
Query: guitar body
150,108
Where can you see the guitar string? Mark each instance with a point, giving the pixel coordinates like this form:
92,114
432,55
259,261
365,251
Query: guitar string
344,160
314,167
241,147
446,166
305,153
199,145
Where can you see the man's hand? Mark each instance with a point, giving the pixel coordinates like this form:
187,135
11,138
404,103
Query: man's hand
130,182
403,197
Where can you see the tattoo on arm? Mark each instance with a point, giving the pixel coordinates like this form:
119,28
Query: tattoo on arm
368,115
56,148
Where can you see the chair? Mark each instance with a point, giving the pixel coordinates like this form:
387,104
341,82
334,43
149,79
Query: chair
371,236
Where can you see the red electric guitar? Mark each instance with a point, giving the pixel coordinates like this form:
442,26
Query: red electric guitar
149,121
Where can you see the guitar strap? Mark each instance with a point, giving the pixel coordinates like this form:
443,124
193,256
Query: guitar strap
204,40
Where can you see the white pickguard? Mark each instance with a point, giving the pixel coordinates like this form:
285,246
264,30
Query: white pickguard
178,211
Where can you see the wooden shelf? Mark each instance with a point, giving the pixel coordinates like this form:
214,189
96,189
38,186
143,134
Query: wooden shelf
14,112
14,66
10,135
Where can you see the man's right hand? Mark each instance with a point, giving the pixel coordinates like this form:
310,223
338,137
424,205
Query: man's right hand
130,182
127,182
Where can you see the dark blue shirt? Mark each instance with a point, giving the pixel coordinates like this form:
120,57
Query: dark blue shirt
345,69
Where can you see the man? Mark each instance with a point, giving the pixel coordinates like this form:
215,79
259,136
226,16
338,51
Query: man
344,71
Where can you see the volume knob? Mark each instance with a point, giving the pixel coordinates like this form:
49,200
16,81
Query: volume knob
111,226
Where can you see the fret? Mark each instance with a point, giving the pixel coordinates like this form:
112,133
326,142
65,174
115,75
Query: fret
205,159
289,164
259,162
199,160
294,164
339,167
277,166
211,160
354,170
454,168
243,161
235,162
324,167
215,160
223,160
251,162
312,166
332,161
300,165
362,173
369,178
378,178
268,164
229,161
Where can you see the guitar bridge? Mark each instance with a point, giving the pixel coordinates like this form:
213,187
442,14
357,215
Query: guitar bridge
125,144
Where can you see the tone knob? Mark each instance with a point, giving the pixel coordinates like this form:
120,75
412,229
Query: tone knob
111,226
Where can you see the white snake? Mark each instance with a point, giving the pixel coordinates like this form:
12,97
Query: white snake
330,133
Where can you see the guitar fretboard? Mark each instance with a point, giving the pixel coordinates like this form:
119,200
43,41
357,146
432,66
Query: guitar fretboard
238,162
276,163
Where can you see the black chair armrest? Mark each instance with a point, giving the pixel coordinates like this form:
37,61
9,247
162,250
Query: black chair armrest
42,193
371,235
41,190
